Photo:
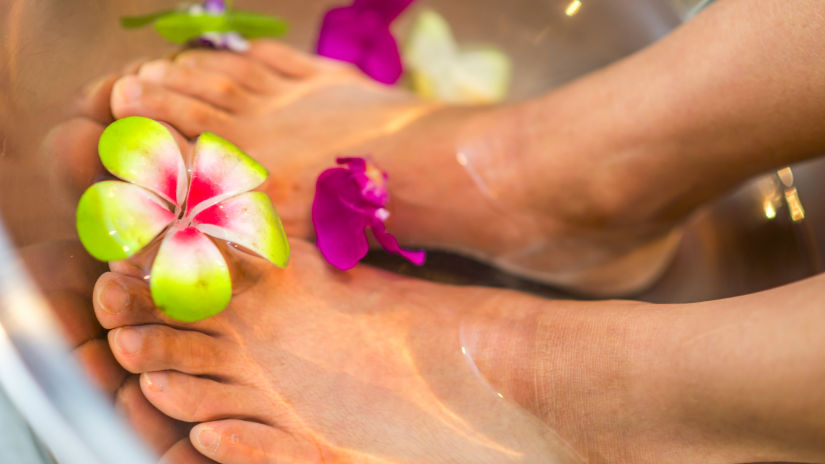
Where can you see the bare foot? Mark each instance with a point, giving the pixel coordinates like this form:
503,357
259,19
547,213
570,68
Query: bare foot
457,177
314,365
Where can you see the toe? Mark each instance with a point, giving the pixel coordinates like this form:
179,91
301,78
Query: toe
197,399
94,100
284,59
212,87
235,441
158,431
72,145
132,96
96,359
247,72
155,347
120,300
183,452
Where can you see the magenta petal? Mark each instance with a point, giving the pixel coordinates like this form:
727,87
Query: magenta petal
388,241
383,62
388,9
340,230
342,33
361,36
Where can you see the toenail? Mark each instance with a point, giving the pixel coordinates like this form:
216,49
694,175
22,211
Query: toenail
156,381
128,340
208,438
114,297
129,89
153,71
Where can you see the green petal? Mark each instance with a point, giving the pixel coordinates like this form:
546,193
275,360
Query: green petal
482,76
248,220
116,219
189,278
182,27
252,25
439,70
132,22
144,152
220,170
430,43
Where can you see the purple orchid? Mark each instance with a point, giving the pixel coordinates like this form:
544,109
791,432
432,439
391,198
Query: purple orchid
348,199
214,6
360,34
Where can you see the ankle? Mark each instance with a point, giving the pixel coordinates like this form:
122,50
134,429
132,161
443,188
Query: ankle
596,373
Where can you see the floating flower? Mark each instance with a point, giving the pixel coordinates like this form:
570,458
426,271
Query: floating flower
438,69
189,278
211,23
360,34
348,200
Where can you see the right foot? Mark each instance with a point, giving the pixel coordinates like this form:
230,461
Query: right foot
458,177
309,364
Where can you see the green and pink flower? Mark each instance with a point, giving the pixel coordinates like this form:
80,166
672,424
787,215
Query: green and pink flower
189,278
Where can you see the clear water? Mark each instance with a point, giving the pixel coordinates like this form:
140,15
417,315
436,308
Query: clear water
51,49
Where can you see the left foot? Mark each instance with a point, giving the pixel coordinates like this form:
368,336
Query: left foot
457,166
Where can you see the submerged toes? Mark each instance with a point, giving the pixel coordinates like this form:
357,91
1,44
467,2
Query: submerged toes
155,347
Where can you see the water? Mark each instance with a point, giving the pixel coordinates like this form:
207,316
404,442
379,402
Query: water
51,49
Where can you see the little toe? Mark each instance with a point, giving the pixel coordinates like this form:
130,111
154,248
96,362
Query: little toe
283,58
197,399
94,99
246,71
210,86
155,347
132,96
234,441
154,428
183,452
96,359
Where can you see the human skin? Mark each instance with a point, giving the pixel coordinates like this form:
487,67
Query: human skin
586,185
670,157
65,276
310,364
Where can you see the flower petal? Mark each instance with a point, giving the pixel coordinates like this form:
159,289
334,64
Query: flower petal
388,241
344,32
439,70
143,151
190,279
219,171
249,220
362,38
388,9
116,219
383,61
340,229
